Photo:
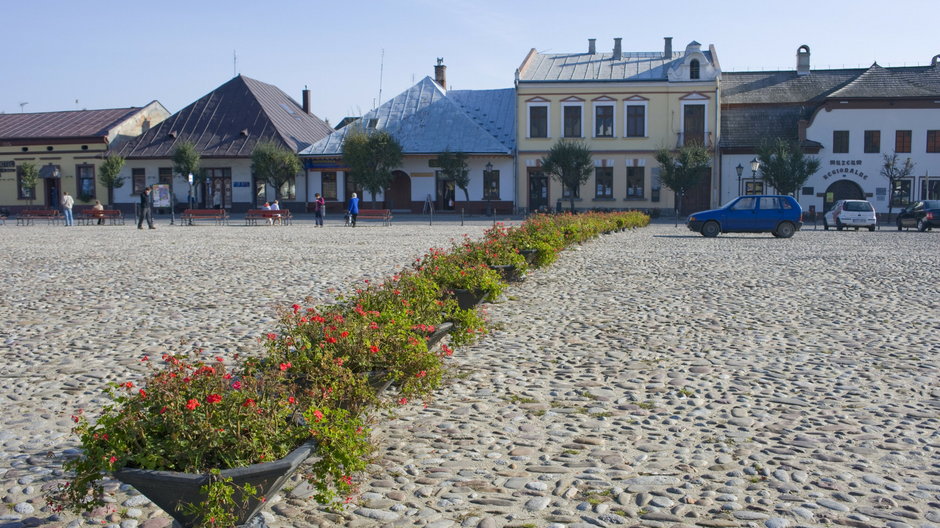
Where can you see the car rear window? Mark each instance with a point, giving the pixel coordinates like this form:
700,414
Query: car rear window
932,204
858,206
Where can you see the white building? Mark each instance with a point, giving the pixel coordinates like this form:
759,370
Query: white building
849,118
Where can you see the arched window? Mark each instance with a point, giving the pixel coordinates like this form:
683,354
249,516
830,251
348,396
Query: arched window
694,69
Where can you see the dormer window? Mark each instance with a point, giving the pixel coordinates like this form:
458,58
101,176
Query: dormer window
694,69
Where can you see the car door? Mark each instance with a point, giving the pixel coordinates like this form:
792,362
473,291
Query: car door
767,214
740,215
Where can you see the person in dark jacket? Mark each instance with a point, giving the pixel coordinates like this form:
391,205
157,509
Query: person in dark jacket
145,207
353,209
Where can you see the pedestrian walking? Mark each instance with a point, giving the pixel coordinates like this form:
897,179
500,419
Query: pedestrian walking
319,210
144,213
353,209
67,203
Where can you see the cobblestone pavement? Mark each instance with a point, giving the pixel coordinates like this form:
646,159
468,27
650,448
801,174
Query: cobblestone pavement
652,377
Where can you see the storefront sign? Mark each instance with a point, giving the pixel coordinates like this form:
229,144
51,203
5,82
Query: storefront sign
8,166
845,171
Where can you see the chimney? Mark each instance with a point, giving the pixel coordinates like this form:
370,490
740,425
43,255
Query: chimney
802,60
667,51
592,49
617,52
440,73
306,100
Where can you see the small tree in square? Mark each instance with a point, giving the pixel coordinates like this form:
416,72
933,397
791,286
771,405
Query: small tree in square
109,175
371,157
29,178
274,164
683,169
895,171
784,166
569,162
454,167
186,161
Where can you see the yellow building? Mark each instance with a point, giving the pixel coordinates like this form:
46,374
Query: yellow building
67,147
625,107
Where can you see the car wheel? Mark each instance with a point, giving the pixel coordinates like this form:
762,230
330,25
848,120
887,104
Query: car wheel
900,225
871,228
785,230
711,229
921,225
825,225
838,225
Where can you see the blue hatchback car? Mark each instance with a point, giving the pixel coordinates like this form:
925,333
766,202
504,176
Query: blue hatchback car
777,214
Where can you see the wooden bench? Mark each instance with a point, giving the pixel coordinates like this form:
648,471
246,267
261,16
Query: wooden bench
26,216
280,216
189,215
385,215
113,216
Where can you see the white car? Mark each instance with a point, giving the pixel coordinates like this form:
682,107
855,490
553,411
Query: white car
850,213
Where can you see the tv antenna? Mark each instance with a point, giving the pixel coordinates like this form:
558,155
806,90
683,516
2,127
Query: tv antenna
234,64
381,71
22,105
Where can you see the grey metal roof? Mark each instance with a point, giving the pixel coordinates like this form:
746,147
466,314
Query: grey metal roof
878,82
426,120
632,66
230,121
71,124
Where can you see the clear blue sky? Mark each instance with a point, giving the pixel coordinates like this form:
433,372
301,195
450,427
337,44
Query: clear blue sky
111,54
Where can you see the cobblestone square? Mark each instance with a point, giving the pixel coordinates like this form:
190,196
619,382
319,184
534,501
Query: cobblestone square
652,377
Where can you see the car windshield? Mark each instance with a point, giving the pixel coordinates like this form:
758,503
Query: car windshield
932,204
858,206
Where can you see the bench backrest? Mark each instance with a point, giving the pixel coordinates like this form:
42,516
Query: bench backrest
374,211
267,212
204,211
39,212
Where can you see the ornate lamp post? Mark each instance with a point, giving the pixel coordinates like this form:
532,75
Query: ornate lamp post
755,166
739,169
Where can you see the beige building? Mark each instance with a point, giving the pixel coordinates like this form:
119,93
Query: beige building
67,147
625,106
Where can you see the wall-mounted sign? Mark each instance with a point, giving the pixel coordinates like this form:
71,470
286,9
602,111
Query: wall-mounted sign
241,184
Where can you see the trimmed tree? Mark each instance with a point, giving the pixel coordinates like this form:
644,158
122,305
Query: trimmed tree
109,175
454,166
895,172
569,162
274,164
784,165
683,169
186,161
371,158
29,178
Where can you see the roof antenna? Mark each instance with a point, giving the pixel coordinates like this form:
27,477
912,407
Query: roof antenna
22,105
381,70
234,64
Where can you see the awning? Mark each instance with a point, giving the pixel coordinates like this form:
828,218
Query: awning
50,171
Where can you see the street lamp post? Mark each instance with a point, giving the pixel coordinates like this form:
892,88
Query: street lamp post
755,166
739,169
487,174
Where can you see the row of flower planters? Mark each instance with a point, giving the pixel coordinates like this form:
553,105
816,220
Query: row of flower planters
313,390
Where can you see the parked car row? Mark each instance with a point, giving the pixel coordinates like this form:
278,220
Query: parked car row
782,216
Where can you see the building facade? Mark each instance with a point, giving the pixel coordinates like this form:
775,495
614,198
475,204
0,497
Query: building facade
625,106
427,120
849,118
225,125
68,148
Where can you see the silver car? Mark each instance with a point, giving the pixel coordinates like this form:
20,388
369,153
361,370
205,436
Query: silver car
851,213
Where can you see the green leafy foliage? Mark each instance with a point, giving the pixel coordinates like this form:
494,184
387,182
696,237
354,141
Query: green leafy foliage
454,167
274,164
784,166
571,163
371,157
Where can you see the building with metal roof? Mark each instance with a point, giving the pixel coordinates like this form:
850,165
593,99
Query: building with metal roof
624,106
224,126
68,148
849,118
426,120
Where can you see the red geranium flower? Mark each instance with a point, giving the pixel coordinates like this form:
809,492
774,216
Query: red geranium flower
192,404
213,398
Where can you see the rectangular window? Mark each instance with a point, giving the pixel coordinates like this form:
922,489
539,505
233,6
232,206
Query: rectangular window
933,141
872,141
754,187
85,176
165,176
636,180
24,193
655,184
636,121
604,183
901,194
491,185
566,192
572,116
538,121
693,124
138,180
840,142
288,190
329,186
604,121
902,141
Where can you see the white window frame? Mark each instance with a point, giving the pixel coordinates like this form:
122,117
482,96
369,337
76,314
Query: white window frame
646,118
565,105
613,115
548,119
